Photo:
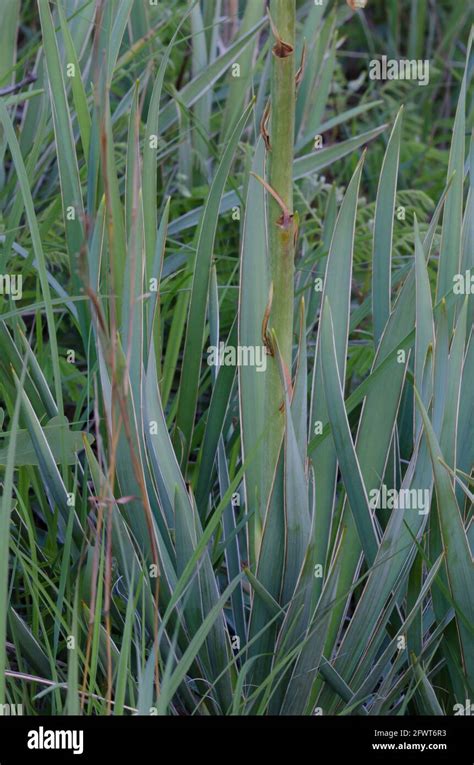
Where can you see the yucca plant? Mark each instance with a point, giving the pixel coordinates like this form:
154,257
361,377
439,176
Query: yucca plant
182,533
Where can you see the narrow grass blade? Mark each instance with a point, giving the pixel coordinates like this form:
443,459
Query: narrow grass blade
346,455
460,566
383,232
253,300
450,251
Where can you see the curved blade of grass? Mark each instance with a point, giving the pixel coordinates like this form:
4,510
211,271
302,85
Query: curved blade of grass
8,40
451,420
459,563
339,119
296,508
424,322
117,31
430,701
450,249
123,674
39,379
317,160
30,646
78,91
73,703
202,108
5,512
117,248
299,403
468,229
383,231
163,457
154,312
465,434
215,422
346,455
337,289
253,299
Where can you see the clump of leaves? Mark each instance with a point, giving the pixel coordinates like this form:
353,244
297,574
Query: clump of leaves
210,536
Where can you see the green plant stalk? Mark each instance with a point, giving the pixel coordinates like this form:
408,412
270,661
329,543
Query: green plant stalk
281,224
282,232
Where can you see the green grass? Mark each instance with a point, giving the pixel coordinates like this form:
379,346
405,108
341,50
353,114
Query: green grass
180,539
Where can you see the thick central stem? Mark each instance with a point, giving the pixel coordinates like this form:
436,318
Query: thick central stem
281,231
281,224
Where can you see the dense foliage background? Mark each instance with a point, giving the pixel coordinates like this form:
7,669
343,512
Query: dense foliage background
187,539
